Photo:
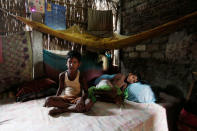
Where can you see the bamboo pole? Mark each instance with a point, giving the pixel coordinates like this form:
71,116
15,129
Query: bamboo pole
191,86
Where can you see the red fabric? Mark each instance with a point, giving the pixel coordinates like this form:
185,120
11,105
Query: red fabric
1,53
182,127
36,86
51,72
187,121
92,74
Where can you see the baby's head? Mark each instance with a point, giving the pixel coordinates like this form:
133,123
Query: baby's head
133,77
118,80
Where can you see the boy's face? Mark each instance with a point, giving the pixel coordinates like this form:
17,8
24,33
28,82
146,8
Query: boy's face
73,64
131,78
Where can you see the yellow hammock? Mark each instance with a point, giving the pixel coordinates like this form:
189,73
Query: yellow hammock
79,36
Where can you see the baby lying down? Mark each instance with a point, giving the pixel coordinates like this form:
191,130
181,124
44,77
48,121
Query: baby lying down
112,90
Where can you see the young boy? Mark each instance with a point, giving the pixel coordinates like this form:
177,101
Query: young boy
72,93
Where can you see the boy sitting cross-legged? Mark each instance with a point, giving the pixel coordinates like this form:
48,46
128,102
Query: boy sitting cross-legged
72,93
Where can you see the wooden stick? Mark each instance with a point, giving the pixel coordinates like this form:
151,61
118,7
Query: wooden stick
191,86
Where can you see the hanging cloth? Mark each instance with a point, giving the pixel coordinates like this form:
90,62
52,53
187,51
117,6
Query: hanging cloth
36,5
55,16
100,23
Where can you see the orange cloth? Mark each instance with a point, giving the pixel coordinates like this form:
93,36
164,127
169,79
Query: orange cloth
71,99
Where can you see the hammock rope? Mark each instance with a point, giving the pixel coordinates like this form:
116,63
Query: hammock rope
79,36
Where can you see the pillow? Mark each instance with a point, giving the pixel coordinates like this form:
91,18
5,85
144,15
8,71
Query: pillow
36,89
141,93
104,76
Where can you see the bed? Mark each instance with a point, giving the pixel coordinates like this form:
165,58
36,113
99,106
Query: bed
32,116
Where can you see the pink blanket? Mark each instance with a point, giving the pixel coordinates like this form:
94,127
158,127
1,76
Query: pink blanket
1,54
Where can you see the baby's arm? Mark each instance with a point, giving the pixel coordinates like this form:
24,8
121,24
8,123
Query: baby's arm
109,84
118,80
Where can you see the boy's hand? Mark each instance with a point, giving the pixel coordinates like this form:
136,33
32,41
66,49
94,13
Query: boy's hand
80,105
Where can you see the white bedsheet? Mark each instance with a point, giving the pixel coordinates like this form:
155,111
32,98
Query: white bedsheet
32,116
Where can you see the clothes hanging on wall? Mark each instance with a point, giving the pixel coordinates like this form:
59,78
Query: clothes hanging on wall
36,6
55,16
100,23
17,65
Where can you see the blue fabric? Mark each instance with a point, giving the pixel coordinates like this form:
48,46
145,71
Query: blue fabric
141,93
59,62
54,60
88,64
104,76
55,16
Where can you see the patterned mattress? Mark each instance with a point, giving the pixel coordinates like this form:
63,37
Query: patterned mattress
32,116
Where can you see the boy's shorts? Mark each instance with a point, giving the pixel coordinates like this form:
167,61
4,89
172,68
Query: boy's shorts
71,99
